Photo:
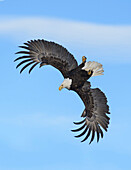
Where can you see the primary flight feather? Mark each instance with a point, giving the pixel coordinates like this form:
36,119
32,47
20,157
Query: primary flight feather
75,78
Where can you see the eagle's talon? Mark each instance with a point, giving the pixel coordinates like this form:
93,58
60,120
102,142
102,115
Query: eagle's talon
83,59
89,72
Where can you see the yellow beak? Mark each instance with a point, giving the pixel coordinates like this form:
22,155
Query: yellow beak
61,87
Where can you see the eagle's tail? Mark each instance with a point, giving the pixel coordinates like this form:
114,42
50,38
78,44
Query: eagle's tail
95,67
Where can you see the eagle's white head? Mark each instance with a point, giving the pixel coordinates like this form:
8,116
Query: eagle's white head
66,84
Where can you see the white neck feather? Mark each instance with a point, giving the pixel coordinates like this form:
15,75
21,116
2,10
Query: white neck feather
67,83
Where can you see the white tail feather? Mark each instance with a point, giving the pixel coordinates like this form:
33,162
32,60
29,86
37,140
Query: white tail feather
95,67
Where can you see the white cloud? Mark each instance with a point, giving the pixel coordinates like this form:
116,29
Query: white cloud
76,31
102,40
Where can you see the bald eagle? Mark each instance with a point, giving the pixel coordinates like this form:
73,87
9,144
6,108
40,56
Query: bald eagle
75,78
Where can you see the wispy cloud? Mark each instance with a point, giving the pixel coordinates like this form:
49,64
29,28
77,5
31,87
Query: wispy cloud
19,130
36,120
113,40
76,31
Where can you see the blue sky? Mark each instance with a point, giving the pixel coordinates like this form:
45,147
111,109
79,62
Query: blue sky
35,118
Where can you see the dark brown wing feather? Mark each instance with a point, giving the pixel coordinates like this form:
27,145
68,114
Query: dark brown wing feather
47,53
95,113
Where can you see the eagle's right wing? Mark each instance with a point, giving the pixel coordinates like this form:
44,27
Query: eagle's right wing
46,53
95,113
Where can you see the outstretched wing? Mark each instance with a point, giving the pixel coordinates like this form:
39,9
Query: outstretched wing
46,53
95,113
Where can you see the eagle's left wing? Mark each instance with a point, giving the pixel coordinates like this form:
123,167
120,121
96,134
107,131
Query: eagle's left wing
46,53
95,113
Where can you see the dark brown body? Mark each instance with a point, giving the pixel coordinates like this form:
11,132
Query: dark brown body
78,76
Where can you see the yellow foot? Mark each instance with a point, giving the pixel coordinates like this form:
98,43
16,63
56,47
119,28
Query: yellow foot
89,72
83,59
